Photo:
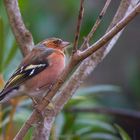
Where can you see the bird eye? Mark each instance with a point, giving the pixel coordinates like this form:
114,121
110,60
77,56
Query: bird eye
57,41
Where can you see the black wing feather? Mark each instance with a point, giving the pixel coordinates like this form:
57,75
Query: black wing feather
25,72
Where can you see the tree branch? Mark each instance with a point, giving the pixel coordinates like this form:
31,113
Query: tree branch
43,129
22,35
96,25
79,22
77,57
118,27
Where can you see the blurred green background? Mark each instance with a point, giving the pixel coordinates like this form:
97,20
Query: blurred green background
115,83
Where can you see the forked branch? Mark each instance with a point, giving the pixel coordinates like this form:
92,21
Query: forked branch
96,25
79,22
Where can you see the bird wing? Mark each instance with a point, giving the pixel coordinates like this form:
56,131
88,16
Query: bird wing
26,71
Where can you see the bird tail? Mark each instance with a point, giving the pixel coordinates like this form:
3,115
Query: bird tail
3,94
6,94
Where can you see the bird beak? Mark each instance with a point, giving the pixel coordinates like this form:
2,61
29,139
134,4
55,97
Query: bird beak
65,44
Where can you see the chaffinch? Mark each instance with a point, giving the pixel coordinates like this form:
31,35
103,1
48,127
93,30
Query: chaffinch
38,70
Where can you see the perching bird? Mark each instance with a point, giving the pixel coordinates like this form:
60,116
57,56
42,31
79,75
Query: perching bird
38,70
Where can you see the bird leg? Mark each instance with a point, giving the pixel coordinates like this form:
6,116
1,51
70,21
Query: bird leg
35,106
50,107
35,102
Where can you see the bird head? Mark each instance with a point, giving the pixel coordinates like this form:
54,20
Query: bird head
56,43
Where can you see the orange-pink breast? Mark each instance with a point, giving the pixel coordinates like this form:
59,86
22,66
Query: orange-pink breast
48,76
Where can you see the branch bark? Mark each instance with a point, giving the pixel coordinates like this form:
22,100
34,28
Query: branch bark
77,57
96,25
43,129
103,40
79,22
22,35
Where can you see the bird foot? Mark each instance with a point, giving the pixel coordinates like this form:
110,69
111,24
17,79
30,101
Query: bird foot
35,106
35,102
50,107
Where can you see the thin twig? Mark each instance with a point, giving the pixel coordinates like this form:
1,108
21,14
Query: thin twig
73,62
123,8
96,25
79,22
103,40
22,35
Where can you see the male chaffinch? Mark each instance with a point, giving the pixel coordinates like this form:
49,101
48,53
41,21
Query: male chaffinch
38,70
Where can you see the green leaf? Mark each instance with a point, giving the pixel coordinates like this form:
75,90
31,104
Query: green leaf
122,133
19,117
97,125
100,136
84,130
4,122
11,54
99,89
1,42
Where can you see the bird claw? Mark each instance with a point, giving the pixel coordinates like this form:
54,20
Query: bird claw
35,106
50,107
35,102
